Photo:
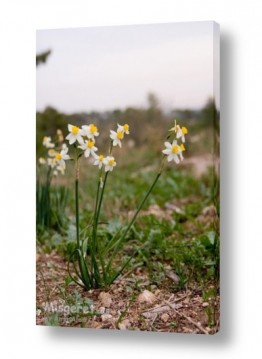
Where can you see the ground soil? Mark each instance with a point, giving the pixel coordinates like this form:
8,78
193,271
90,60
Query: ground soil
123,306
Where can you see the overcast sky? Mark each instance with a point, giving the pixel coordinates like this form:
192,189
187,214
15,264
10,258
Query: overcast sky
104,68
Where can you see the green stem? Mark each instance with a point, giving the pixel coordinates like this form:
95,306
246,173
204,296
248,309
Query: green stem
132,220
77,213
76,199
141,205
99,204
93,248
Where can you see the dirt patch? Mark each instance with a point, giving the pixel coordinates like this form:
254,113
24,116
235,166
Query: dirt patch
120,307
200,164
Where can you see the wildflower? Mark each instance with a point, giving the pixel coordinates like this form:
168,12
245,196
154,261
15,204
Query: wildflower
89,148
182,149
62,156
124,129
52,152
47,142
61,168
99,161
52,162
42,161
109,163
75,135
117,137
181,132
64,146
173,151
90,131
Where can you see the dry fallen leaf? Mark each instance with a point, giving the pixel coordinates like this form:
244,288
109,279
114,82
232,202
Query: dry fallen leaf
165,317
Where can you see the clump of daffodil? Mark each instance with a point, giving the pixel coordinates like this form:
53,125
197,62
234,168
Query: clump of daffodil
90,131
57,154
118,136
94,268
51,199
124,128
88,275
174,150
75,134
98,161
180,132
89,148
109,163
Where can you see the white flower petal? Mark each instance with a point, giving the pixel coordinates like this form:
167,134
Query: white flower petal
176,159
166,151
168,145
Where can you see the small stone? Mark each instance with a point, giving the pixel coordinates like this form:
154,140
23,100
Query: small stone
106,317
147,297
105,299
173,276
124,324
165,317
205,304
157,292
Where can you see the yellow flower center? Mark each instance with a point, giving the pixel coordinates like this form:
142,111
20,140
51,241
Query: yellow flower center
182,147
100,158
184,130
90,144
58,156
175,149
120,135
126,127
111,162
75,130
93,128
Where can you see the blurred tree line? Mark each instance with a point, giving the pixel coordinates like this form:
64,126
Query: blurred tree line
147,125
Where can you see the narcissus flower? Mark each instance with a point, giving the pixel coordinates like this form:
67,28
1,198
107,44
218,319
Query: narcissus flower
75,135
61,157
181,132
52,152
99,160
47,142
117,137
42,161
174,151
109,163
90,131
52,162
89,148
124,128
182,149
61,169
